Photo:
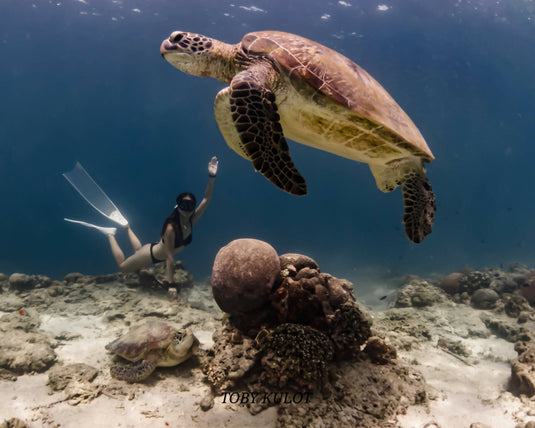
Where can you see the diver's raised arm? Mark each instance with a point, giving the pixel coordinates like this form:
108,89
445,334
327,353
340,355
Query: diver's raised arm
212,172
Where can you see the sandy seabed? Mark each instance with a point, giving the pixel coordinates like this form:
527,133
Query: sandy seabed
72,387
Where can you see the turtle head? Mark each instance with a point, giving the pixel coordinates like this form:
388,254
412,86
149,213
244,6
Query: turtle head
191,53
184,343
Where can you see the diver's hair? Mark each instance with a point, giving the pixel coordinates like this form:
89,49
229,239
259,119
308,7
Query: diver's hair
174,220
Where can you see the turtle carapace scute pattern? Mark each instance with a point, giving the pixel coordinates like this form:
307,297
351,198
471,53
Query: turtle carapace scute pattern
282,85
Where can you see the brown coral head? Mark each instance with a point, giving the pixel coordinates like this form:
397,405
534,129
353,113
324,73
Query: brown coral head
451,283
243,275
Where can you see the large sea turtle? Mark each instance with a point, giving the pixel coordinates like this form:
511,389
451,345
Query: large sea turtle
150,345
283,85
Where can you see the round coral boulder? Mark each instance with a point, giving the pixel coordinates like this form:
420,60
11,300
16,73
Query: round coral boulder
243,275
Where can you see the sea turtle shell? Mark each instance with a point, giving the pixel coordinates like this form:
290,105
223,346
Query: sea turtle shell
312,69
140,340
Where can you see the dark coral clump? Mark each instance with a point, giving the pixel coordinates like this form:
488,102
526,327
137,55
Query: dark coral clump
294,356
349,330
380,352
302,301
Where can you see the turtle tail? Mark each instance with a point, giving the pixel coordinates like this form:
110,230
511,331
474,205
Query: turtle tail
420,206
134,372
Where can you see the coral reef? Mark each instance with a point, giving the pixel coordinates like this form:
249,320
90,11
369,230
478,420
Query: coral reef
230,359
509,291
24,347
243,275
403,328
309,319
523,373
21,281
419,293
373,389
60,376
379,352
294,356
494,279
364,395
3,281
527,288
295,262
484,298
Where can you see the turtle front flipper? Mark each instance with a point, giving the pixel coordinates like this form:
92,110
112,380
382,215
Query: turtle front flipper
134,372
420,205
257,125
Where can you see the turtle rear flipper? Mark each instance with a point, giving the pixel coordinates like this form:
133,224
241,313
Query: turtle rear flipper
420,206
134,372
261,139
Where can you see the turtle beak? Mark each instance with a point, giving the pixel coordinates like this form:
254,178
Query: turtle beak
167,47
172,44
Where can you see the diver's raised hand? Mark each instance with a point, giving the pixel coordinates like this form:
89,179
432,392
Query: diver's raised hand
212,167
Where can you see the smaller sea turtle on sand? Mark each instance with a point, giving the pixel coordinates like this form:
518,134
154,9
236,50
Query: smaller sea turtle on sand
151,345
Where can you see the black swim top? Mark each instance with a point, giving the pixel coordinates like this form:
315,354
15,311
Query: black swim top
174,221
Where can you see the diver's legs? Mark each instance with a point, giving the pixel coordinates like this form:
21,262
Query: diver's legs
136,244
138,260
118,254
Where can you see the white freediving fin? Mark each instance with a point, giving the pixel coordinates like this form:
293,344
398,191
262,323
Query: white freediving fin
93,194
104,230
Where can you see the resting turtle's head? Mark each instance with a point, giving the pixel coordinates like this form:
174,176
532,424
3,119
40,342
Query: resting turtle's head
183,344
189,52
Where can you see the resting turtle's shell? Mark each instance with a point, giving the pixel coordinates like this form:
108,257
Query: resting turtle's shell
152,344
283,85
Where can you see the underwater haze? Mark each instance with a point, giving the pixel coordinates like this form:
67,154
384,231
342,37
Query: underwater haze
83,80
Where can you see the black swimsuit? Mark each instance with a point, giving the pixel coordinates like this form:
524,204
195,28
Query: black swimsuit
179,240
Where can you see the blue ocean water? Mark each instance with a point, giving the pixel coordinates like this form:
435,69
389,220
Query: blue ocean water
83,80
